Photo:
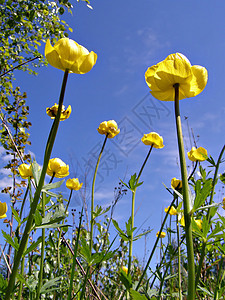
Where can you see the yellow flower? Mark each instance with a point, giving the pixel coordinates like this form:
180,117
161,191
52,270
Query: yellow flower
199,154
153,139
176,184
172,211
162,235
109,127
125,269
223,203
25,171
67,54
73,184
197,221
52,112
3,210
176,68
57,168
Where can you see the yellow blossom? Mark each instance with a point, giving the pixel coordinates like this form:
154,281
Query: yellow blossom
73,184
197,221
172,211
176,184
3,210
199,154
162,235
52,112
223,203
125,269
57,168
176,69
153,139
67,54
109,127
25,171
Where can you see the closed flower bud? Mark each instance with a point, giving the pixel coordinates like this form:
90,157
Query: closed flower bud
73,184
176,184
52,112
25,171
125,269
153,139
109,128
3,210
199,154
162,234
66,54
57,168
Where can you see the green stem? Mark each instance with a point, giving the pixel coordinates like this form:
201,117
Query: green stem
186,203
48,151
92,192
179,257
218,278
133,210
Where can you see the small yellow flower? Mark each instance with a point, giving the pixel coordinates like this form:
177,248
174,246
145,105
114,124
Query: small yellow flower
153,139
172,211
176,184
125,269
223,203
162,235
25,171
109,127
57,168
176,68
73,184
66,54
199,154
52,112
3,210
199,223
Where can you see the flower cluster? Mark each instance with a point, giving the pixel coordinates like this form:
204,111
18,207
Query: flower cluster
109,128
52,112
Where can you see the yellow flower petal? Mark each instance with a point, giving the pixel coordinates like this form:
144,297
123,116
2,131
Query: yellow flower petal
153,139
199,154
25,171
176,183
109,127
57,168
172,211
73,184
52,112
162,235
3,210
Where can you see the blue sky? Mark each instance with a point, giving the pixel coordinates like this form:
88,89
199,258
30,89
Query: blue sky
129,37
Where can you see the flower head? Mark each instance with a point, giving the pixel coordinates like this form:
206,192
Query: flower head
109,127
3,210
176,69
67,54
73,184
223,203
25,171
153,139
125,269
172,211
176,184
197,221
199,154
52,112
57,168
162,234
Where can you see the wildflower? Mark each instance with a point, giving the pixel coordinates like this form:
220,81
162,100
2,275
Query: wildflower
162,234
199,154
223,203
176,69
197,221
172,211
109,127
73,184
52,112
153,139
57,168
25,171
125,269
176,184
3,210
66,54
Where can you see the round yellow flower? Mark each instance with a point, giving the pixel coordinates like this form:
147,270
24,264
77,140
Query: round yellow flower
109,127
66,54
125,269
25,171
52,112
176,69
199,154
162,235
73,184
153,139
176,184
57,168
3,210
172,211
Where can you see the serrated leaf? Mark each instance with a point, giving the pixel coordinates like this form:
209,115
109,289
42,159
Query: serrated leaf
50,284
33,246
9,240
136,295
15,213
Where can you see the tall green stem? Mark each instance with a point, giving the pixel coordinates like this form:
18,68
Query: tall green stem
186,203
179,256
133,209
48,151
93,190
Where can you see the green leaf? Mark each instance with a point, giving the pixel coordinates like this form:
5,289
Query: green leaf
222,178
15,213
51,186
33,246
136,295
126,279
14,243
49,284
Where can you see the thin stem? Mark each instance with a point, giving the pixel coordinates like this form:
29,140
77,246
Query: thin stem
92,192
48,151
179,257
133,209
186,203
